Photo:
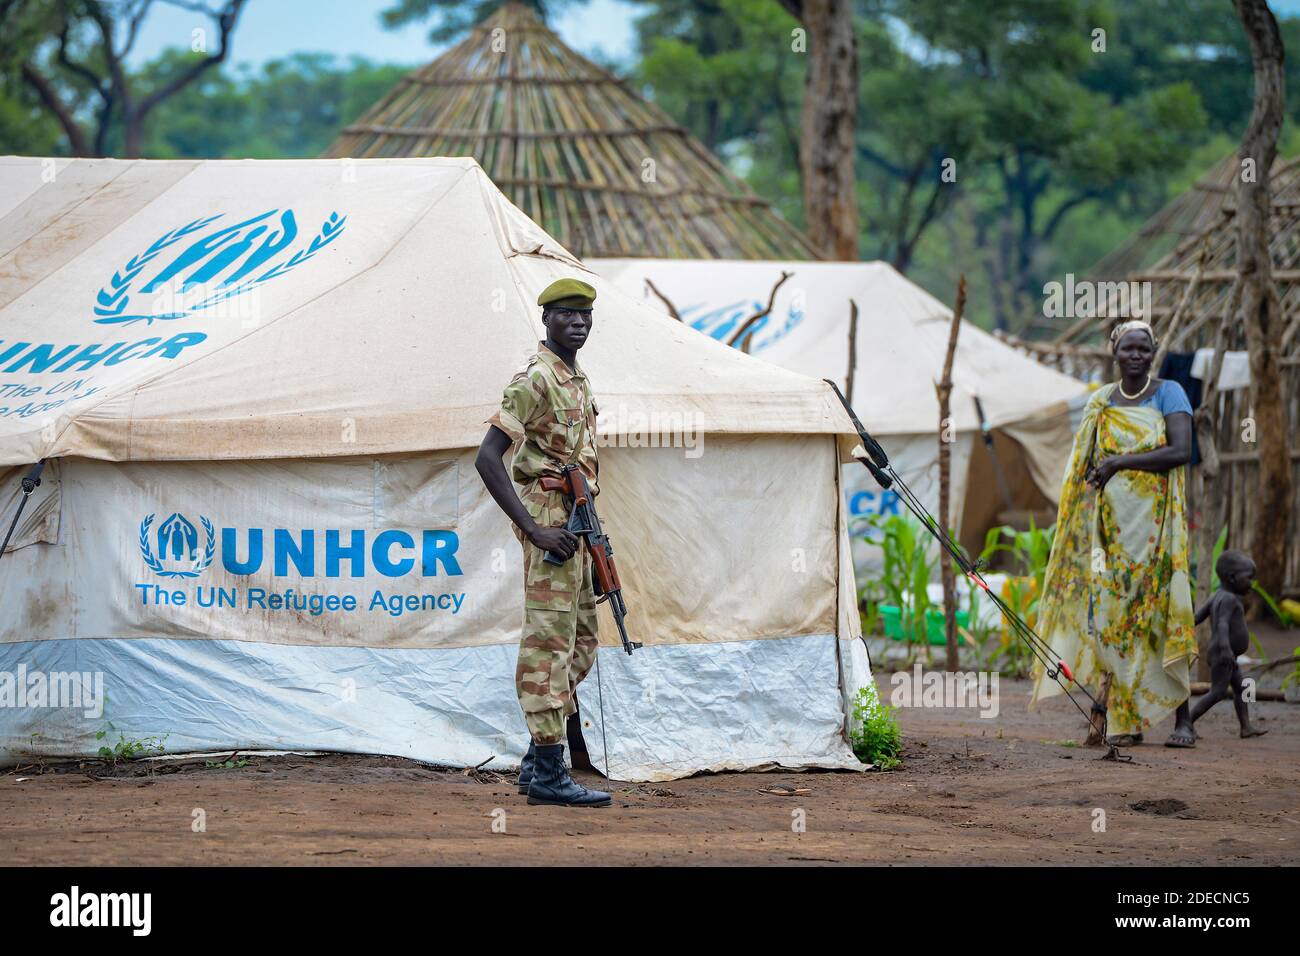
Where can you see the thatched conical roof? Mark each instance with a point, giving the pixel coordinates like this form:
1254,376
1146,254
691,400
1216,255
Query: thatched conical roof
1185,216
1201,268
1194,282
603,170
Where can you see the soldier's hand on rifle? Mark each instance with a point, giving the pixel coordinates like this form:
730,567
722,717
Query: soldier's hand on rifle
558,540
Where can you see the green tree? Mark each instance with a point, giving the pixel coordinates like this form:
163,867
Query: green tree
920,127
286,108
1049,145
72,56
723,69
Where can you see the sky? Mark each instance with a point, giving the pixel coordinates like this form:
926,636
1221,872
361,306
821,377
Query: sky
269,29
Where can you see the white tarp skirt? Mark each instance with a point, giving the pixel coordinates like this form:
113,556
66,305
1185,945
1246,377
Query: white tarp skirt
161,578
670,711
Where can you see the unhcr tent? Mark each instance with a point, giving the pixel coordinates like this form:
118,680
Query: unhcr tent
901,337
259,387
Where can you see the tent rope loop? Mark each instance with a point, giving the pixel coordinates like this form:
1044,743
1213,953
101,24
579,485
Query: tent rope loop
31,481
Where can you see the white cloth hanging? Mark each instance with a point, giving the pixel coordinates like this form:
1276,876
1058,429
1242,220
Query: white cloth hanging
1234,374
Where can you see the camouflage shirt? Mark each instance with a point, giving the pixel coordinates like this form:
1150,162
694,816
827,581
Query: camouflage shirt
549,413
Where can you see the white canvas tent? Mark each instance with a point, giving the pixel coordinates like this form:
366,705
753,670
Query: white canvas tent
259,387
901,338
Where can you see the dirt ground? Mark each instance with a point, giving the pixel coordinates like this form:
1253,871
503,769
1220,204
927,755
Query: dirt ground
1008,790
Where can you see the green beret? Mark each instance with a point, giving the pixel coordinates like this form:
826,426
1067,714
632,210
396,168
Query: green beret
568,294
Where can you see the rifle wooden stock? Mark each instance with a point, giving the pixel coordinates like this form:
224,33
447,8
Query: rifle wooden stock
549,483
576,488
604,572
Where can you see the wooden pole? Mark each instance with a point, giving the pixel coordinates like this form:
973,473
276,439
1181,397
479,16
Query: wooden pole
853,350
944,388
1098,721
827,147
1209,483
1261,309
1171,336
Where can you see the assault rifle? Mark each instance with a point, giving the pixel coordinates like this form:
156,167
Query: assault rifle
586,525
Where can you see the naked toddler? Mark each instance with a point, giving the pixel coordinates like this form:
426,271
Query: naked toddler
1228,637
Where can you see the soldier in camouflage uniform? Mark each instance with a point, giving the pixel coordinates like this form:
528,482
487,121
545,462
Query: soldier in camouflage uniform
549,416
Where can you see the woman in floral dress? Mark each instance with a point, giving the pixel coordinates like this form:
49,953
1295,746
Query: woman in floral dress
1117,597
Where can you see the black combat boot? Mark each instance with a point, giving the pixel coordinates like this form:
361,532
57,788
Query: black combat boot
526,767
553,787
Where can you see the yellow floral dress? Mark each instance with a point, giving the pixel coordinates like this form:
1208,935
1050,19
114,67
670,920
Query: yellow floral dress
1117,596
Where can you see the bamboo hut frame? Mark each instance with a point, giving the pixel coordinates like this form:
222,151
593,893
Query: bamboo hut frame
603,170
1194,298
1186,216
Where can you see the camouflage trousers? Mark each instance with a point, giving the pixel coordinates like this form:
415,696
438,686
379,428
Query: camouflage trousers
559,643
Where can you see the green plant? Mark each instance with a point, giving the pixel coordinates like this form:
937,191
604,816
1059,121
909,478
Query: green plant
129,749
226,764
1219,545
875,736
1294,676
1029,550
870,596
905,574
1282,617
1029,553
1259,648
977,632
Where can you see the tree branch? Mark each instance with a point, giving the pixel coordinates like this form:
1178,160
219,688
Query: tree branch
77,144
133,29
872,156
105,92
227,20
117,74
80,69
1064,209
749,322
933,207
672,309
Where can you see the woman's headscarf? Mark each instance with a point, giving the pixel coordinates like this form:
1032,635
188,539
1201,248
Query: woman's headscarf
1132,325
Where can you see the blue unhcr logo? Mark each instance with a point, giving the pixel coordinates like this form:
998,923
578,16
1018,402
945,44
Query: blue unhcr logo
178,546
723,321
221,263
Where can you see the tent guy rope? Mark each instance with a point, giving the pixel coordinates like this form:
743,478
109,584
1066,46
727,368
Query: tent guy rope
877,462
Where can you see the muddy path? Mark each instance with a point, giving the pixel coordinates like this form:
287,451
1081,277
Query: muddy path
1008,790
